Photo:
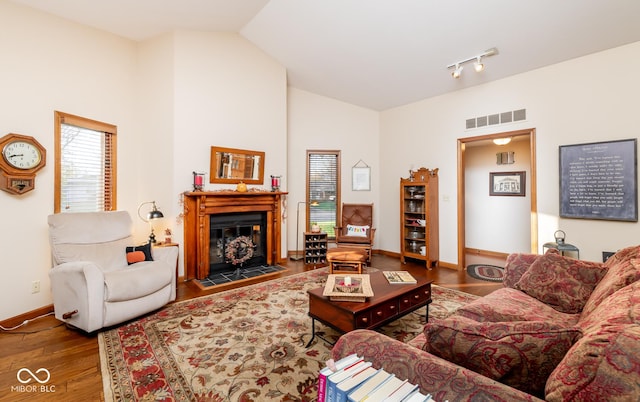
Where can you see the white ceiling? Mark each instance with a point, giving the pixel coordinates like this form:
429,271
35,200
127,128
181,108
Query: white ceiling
381,53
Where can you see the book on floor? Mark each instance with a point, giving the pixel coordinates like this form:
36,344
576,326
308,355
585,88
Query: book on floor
344,387
418,396
360,392
399,277
338,376
402,392
327,370
385,389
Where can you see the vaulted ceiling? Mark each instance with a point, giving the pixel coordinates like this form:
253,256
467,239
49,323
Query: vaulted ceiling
381,54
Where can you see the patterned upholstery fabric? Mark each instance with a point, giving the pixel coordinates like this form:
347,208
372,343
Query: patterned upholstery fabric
517,264
560,282
603,365
513,305
443,379
623,269
606,361
521,354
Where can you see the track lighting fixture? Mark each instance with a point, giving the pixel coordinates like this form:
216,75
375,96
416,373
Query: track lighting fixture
478,65
456,73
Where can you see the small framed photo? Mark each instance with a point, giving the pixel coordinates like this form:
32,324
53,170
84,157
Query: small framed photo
507,183
361,178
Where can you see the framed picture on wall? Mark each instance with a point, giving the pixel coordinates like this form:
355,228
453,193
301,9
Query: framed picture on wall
361,176
599,180
507,183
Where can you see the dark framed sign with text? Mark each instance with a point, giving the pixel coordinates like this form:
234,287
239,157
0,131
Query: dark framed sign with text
599,180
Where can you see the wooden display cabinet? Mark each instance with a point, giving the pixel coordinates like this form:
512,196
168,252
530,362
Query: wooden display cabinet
419,217
315,249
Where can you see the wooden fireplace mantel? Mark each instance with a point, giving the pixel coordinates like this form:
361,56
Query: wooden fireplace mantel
202,206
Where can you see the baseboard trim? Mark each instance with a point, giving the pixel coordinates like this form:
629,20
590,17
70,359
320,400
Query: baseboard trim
30,315
485,253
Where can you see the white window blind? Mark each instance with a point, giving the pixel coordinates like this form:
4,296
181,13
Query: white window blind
86,169
323,184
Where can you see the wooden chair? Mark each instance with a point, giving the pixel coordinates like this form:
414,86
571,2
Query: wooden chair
356,229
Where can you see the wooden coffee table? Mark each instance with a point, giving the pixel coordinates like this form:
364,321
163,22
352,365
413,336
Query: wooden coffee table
388,303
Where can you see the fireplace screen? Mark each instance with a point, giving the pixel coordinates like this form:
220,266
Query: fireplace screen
225,228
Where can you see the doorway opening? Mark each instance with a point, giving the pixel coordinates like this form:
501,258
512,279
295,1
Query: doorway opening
463,145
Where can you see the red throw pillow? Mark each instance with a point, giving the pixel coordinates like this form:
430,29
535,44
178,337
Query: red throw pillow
521,354
135,256
561,282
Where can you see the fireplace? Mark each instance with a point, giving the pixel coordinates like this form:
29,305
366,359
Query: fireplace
212,219
225,228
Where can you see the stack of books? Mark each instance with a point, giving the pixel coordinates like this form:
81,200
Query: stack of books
351,379
399,277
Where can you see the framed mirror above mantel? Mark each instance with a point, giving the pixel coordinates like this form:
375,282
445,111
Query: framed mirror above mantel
232,166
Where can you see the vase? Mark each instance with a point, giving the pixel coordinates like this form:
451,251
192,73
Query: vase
241,187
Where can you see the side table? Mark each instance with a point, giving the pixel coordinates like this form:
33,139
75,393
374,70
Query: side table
560,244
171,245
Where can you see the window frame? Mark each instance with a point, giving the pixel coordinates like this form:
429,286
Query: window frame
308,200
61,118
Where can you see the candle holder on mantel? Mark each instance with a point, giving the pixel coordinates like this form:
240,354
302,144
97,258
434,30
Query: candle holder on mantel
198,181
275,183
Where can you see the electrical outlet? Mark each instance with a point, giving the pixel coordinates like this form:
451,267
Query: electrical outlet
35,286
606,255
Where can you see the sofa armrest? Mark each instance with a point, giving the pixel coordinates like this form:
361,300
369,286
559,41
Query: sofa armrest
78,285
442,379
517,264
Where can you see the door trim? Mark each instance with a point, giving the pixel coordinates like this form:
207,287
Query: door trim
462,143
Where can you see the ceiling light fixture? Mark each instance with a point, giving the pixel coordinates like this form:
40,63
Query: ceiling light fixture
478,65
456,73
502,141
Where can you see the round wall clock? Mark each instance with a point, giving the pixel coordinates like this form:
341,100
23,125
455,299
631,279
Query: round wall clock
22,157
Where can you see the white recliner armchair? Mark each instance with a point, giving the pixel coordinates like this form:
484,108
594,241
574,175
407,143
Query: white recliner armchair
92,284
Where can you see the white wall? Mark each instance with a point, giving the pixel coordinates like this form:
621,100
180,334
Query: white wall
51,64
496,223
320,123
155,134
588,99
226,92
171,97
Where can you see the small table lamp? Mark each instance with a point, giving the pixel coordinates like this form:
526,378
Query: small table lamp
151,215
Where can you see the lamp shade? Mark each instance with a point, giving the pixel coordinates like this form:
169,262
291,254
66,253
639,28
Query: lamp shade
151,215
154,213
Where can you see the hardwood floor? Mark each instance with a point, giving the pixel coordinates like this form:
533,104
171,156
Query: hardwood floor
72,357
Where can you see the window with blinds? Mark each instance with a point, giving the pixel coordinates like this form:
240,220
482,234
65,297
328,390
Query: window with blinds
85,165
323,189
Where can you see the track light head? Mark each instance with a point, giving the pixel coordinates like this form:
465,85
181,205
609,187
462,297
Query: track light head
478,64
456,73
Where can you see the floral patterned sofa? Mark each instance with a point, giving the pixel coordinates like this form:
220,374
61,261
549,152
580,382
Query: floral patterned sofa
560,330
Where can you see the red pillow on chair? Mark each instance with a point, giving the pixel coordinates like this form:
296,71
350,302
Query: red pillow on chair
135,256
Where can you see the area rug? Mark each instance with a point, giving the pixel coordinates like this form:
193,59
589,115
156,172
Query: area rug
486,272
244,344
